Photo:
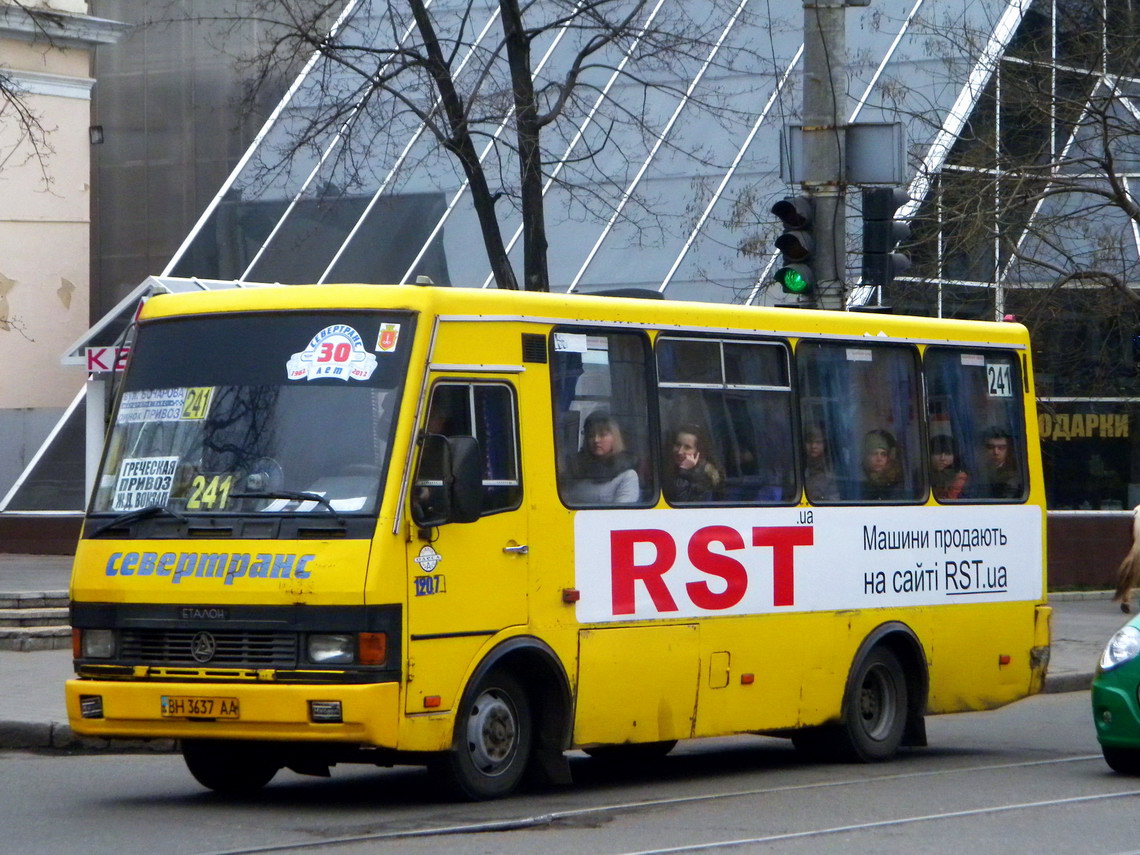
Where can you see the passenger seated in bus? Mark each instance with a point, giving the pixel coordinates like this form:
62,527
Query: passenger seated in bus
819,479
691,474
882,470
1001,474
947,478
602,472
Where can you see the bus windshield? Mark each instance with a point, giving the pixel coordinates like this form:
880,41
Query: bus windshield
256,414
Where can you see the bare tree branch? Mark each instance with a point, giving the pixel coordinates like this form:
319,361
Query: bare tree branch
31,141
517,126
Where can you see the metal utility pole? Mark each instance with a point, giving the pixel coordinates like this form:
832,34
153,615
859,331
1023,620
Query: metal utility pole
824,127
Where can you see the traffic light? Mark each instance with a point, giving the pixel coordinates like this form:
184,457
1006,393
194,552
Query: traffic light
795,274
882,233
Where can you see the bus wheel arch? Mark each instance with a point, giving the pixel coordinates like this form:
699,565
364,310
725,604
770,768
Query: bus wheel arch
529,667
901,643
884,701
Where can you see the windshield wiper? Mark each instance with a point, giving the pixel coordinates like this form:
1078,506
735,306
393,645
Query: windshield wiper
299,495
136,515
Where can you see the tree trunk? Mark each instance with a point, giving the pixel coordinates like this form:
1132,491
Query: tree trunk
536,276
460,143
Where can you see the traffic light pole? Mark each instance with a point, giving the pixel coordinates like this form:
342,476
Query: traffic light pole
824,122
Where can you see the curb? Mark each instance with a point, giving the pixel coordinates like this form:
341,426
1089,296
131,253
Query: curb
56,737
1078,682
1080,595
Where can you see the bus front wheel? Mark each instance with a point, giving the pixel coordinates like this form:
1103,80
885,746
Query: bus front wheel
229,767
493,737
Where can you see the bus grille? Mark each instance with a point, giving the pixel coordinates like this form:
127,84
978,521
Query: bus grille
162,647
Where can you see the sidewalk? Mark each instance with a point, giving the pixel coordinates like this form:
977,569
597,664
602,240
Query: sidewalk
33,715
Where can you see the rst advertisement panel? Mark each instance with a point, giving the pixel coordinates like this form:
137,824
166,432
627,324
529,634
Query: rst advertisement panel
646,564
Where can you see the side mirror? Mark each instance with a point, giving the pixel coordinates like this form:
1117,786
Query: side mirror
448,486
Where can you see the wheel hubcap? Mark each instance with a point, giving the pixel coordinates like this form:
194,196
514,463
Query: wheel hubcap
877,703
492,733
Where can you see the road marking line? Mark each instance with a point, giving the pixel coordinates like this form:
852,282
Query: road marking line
555,816
885,823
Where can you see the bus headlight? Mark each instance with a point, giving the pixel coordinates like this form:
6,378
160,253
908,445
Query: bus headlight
98,644
1123,647
337,649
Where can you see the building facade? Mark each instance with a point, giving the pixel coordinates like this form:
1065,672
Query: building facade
46,138
660,173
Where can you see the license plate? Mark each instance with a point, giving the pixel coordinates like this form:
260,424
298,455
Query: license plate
183,706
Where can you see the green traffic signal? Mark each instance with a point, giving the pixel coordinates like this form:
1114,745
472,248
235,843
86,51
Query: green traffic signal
795,278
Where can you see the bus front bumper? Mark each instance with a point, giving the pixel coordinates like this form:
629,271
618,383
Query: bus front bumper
369,714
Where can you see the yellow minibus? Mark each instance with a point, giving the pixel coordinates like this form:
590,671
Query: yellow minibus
476,529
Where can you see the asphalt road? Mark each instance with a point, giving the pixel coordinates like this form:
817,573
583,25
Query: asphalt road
1028,777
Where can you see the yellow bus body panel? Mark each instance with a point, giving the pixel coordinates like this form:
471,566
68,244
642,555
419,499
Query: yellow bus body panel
640,686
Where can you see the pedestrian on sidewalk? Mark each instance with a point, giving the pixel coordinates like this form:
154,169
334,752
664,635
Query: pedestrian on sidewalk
1128,574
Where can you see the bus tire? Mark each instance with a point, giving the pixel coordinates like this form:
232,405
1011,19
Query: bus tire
494,735
229,767
632,752
874,717
1124,761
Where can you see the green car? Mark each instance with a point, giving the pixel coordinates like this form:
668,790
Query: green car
1115,703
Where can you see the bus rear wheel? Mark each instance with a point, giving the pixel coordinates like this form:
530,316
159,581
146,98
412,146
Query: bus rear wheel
230,767
493,740
875,714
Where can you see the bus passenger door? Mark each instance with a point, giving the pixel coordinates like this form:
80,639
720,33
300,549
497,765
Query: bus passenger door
466,580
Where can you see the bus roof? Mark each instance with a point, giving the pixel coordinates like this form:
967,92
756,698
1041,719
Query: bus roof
490,305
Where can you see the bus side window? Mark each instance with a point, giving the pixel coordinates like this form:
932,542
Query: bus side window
487,412
976,424
864,398
496,427
732,400
449,413
601,418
